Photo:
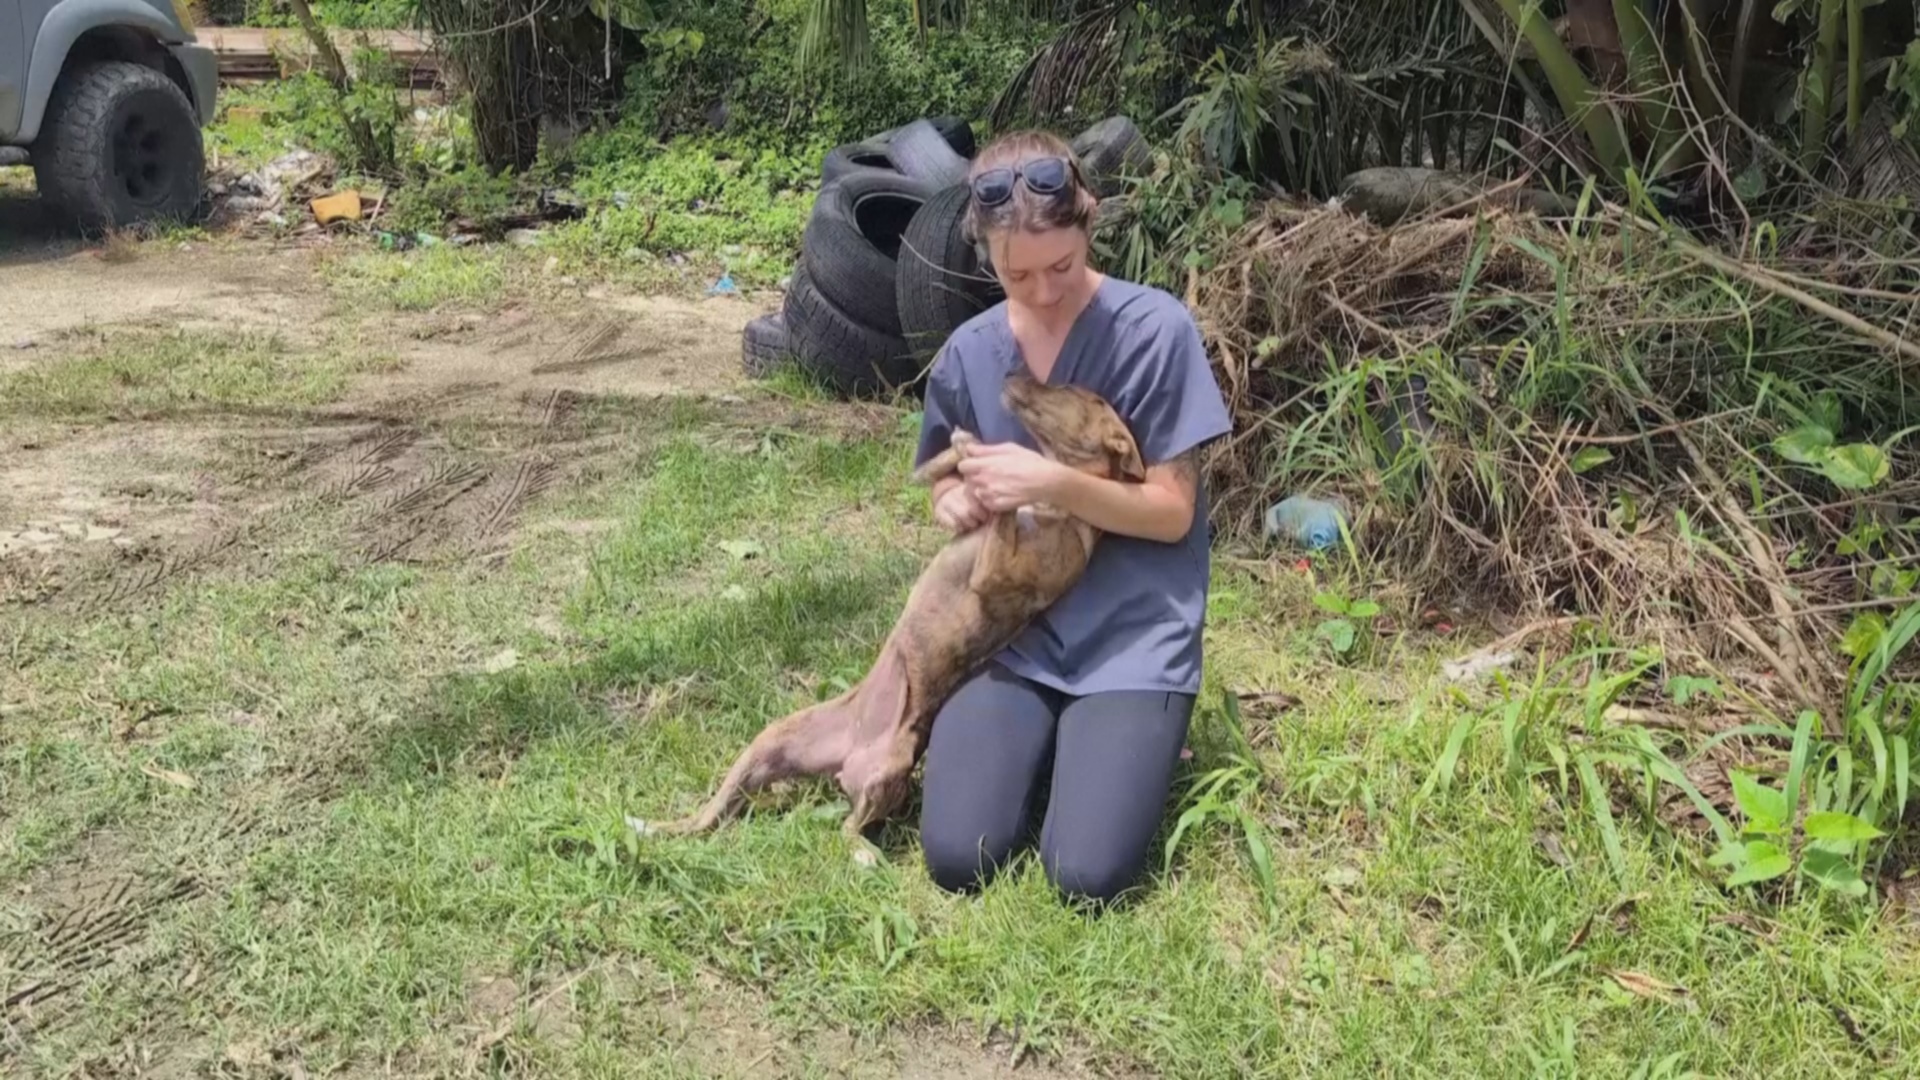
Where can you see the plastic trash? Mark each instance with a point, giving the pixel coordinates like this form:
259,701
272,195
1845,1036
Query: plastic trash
723,287
1311,523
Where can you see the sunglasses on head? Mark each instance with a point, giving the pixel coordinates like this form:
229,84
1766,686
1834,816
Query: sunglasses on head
1043,176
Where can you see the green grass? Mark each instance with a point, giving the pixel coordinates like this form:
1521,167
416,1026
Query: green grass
154,371
385,818
424,279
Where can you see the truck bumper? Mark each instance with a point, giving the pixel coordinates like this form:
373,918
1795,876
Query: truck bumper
203,77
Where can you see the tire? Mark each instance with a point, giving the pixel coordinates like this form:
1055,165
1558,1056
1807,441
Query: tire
1110,150
853,359
954,129
939,282
764,345
120,146
918,150
855,157
852,241
925,150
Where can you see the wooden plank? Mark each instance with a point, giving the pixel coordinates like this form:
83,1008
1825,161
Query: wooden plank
254,53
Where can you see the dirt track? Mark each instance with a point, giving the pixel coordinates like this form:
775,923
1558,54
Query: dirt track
467,411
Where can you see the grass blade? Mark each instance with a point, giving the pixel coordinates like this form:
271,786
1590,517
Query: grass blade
1602,814
1802,746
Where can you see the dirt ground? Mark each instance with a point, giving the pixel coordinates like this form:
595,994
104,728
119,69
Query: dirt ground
468,414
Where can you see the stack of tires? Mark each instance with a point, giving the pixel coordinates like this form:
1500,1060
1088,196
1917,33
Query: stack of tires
886,270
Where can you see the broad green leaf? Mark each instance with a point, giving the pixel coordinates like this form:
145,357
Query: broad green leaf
1764,863
1684,688
1734,854
1339,633
1589,458
1764,808
1363,609
1863,635
1834,871
1855,466
1804,445
1330,602
1826,410
1839,827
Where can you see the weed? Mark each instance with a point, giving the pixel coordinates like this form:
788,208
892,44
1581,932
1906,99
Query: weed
166,371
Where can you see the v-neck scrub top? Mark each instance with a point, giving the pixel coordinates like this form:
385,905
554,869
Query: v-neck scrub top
1134,621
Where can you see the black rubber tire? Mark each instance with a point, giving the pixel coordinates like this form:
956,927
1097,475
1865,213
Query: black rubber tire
924,150
854,360
938,281
920,151
120,146
869,156
764,346
1110,150
853,238
954,129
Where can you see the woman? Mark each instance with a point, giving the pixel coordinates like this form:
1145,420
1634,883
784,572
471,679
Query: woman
1096,695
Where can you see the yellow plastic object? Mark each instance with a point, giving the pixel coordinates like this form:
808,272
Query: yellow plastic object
184,13
340,206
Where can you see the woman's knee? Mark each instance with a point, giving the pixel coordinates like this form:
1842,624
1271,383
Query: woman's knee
958,861
1090,876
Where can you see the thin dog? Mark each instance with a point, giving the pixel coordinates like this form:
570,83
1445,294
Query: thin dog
971,601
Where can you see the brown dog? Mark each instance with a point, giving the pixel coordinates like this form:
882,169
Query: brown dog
970,602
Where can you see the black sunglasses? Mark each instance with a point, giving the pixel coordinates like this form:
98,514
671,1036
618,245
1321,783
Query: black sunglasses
1043,176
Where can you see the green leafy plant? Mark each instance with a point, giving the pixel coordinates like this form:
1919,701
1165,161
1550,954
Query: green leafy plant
1342,630
1225,795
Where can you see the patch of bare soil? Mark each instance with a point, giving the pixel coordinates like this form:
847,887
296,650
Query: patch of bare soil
482,416
635,346
78,921
197,285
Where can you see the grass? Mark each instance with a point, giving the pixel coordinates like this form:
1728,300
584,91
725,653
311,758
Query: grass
154,371
409,779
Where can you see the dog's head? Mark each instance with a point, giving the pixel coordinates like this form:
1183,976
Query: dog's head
1075,427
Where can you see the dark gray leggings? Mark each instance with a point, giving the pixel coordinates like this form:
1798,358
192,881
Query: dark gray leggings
1111,756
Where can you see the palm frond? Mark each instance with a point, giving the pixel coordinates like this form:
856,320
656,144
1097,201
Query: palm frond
835,28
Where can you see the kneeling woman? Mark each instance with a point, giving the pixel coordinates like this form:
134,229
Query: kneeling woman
1091,703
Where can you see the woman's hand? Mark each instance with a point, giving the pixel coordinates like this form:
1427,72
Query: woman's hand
958,509
1007,476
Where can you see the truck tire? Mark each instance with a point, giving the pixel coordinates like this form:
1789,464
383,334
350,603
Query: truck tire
1109,150
853,359
852,240
924,150
120,146
764,345
855,157
920,151
954,129
939,282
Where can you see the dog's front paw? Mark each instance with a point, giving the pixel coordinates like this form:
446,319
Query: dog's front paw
866,857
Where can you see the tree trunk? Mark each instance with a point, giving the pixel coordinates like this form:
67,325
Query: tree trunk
373,157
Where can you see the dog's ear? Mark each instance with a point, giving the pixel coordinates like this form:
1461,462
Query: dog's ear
1125,457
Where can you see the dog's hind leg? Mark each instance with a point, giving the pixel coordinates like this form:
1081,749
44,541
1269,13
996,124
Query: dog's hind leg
811,742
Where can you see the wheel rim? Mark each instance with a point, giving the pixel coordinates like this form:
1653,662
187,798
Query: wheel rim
142,166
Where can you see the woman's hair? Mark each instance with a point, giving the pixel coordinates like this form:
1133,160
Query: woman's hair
1070,208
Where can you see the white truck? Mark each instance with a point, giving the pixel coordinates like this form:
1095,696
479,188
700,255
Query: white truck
106,99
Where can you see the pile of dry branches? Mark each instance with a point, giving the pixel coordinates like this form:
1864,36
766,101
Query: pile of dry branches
1586,419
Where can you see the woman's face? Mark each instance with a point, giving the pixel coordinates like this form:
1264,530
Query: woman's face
1039,270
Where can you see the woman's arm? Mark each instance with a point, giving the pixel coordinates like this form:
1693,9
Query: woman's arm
1008,476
